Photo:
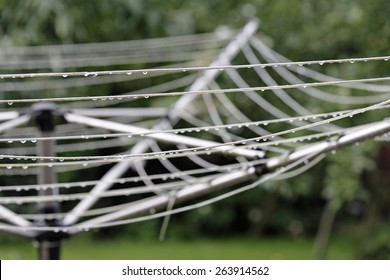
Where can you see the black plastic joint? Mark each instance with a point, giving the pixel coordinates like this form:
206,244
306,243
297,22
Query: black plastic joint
261,169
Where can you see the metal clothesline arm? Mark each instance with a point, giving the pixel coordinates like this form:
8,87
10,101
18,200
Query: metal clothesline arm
158,202
5,116
20,232
13,218
14,122
361,134
5,213
224,58
165,137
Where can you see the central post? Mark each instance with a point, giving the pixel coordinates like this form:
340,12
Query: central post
49,243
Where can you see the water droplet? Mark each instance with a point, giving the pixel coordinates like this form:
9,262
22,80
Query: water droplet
85,164
129,73
64,76
352,61
25,166
9,167
145,72
321,63
10,103
300,64
10,141
23,141
386,59
146,96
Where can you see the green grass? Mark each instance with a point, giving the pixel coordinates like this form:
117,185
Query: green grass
278,248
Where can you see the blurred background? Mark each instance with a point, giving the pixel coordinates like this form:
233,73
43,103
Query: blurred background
340,209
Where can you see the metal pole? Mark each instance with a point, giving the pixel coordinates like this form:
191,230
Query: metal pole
48,242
